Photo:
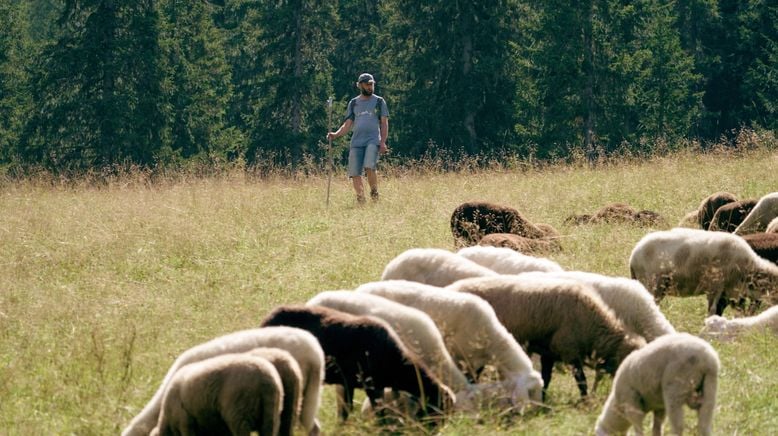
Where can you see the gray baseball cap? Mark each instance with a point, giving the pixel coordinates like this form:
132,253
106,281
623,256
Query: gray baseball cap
366,78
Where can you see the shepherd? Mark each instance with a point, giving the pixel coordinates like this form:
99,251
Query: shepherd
368,114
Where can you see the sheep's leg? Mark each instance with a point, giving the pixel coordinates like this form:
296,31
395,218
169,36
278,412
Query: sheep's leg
580,377
717,302
705,413
546,366
344,399
659,419
674,410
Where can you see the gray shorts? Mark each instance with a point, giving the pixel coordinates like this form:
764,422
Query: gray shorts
362,157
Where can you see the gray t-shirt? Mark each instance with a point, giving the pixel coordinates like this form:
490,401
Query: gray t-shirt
366,115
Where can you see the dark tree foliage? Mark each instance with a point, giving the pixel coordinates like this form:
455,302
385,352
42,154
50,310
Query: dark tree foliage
98,89
88,84
282,75
13,93
198,84
451,68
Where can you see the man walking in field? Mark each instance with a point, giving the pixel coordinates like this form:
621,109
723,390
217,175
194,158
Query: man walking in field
368,114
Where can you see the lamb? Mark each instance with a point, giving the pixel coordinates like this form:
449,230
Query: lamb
432,266
765,245
299,343
673,370
710,205
559,319
629,300
773,226
521,244
718,326
365,352
291,381
228,394
415,328
471,331
686,262
471,221
729,216
766,210
506,261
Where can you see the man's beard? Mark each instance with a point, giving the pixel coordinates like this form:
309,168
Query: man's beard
366,92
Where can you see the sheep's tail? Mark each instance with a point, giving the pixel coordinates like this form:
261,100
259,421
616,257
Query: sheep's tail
705,414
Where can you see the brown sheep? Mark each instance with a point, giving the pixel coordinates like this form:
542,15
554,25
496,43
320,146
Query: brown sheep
521,244
365,352
764,244
729,216
471,221
710,205
559,319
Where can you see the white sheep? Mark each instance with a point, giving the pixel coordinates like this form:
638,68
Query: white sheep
673,370
471,331
688,262
231,393
302,345
773,226
559,319
415,328
506,261
761,215
433,266
718,326
292,382
629,300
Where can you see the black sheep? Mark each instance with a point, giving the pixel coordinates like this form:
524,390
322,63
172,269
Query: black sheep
364,352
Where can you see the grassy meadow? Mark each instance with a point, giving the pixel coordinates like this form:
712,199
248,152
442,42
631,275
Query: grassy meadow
102,287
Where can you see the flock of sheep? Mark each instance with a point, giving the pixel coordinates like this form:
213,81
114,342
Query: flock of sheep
419,339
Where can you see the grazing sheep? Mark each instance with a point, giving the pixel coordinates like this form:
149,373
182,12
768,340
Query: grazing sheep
766,210
471,331
765,245
559,319
471,221
686,262
299,343
228,394
506,261
292,382
661,377
432,266
773,226
521,244
710,205
723,328
414,327
365,352
729,216
629,300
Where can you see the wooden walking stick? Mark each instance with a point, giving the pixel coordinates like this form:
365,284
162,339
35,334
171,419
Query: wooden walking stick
329,149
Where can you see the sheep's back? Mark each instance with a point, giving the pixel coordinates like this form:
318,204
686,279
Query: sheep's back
539,310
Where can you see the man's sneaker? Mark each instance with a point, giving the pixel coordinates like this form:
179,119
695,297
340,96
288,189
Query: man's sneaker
374,194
